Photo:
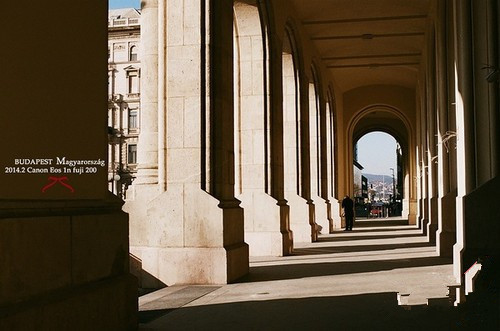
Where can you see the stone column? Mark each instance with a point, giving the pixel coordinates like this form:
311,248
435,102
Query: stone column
260,131
430,131
424,166
64,251
145,187
481,230
464,122
147,149
494,55
299,209
334,211
445,237
276,135
305,153
193,232
320,206
323,159
418,157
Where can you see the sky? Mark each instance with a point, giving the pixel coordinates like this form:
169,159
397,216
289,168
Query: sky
115,4
377,153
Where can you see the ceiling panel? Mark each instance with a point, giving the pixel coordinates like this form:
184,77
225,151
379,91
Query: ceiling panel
365,42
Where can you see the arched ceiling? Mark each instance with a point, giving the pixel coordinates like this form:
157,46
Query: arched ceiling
367,42
381,120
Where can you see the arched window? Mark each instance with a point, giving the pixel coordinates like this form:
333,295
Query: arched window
133,53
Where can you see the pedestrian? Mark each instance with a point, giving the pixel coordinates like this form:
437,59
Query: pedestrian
348,206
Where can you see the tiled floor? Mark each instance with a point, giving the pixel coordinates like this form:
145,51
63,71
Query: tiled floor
339,279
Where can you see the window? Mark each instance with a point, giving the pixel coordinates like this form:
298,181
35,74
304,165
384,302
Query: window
132,154
110,90
132,119
133,53
133,82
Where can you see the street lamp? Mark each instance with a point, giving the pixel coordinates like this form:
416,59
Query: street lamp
393,186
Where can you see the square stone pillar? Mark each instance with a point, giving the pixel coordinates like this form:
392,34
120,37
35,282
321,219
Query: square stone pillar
445,236
299,208
316,149
259,131
63,238
192,233
305,154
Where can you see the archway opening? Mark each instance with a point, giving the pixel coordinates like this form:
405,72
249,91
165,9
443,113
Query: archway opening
377,176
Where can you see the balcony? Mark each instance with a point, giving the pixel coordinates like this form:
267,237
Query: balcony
133,96
123,22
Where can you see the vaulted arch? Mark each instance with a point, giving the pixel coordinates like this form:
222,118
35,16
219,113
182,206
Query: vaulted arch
389,119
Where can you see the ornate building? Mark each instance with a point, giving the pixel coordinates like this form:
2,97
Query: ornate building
124,72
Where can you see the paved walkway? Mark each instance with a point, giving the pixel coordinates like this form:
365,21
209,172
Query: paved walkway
345,281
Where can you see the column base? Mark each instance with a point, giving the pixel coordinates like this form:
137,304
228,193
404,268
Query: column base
336,219
266,244
299,218
444,243
65,265
412,219
424,222
193,265
312,221
186,236
267,225
432,226
321,215
481,225
446,235
407,208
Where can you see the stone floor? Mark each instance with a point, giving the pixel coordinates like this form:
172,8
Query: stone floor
345,281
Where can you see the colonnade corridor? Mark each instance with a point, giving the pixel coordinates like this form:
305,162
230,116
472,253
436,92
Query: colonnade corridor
381,275
249,115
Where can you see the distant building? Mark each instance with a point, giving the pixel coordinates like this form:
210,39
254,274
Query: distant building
123,96
364,187
399,177
358,192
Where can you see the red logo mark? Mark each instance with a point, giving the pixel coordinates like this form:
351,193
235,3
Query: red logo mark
60,180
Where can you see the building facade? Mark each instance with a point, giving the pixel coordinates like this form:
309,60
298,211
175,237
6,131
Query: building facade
124,88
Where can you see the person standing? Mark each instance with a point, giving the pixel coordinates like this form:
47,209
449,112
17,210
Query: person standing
348,206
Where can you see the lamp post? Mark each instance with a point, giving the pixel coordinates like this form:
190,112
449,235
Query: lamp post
393,186
383,188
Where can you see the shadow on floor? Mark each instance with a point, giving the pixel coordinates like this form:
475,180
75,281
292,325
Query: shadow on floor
375,311
378,229
360,248
146,316
376,222
295,271
346,236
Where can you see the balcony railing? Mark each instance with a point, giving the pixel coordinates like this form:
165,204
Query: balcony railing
133,96
123,22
